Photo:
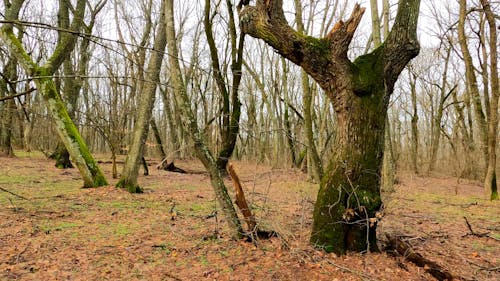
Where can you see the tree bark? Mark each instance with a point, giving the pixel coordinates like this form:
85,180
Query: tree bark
130,173
8,107
490,181
349,195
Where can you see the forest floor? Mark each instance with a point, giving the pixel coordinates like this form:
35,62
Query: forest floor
64,232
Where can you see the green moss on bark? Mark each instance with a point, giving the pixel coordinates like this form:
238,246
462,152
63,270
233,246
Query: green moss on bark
130,187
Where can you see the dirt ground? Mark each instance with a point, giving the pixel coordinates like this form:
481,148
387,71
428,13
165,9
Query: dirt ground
173,232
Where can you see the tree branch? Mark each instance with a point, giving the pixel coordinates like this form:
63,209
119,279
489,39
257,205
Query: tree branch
266,21
402,43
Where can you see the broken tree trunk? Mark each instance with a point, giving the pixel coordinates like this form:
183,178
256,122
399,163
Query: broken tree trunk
241,202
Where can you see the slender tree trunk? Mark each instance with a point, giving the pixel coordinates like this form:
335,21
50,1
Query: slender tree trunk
436,132
135,154
171,120
490,181
286,116
189,121
471,81
157,135
314,164
414,123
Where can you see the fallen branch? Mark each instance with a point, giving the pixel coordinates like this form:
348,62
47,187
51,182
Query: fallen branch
404,249
10,192
166,166
472,231
485,268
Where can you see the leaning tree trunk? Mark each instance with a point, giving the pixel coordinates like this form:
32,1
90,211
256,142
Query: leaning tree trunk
76,146
130,172
345,214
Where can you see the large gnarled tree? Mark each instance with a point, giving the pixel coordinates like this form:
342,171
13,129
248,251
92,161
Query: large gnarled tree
349,195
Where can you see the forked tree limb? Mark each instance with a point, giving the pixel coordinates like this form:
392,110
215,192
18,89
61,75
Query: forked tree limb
241,202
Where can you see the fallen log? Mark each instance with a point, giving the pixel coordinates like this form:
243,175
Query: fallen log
403,248
169,166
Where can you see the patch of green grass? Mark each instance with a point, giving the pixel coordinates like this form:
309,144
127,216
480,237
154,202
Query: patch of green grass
164,247
187,187
121,229
180,263
476,245
117,230
204,208
203,260
132,204
17,179
495,235
31,155
49,226
445,207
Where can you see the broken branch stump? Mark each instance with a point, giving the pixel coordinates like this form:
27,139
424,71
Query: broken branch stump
241,202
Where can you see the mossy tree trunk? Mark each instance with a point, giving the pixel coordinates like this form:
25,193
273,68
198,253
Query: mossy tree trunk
134,157
349,196
80,154
189,121
72,81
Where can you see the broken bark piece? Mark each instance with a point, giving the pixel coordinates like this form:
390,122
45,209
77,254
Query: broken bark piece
241,202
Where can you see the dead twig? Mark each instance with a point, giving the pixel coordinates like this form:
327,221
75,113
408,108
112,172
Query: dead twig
485,268
346,269
485,234
10,192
